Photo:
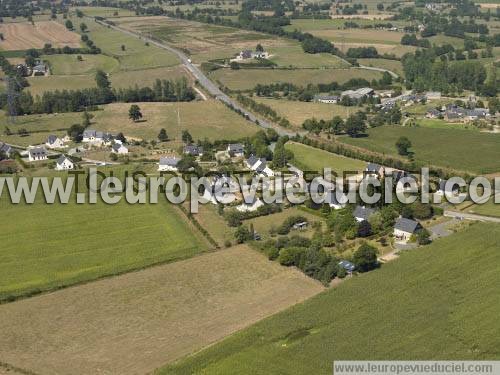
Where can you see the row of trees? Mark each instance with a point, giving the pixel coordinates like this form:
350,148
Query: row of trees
79,100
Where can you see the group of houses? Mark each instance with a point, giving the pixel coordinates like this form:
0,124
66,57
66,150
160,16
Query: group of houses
455,113
100,139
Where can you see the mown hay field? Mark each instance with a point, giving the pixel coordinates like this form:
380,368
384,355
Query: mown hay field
134,323
297,112
203,119
419,307
24,35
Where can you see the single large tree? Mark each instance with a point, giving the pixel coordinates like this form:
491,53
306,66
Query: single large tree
403,145
134,113
365,258
162,136
69,25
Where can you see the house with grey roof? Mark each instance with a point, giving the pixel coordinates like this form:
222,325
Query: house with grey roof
40,70
193,150
64,164
235,150
358,94
37,154
362,213
374,169
6,150
433,113
54,141
168,163
119,148
405,228
97,137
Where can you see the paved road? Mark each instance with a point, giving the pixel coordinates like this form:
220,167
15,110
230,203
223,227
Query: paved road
200,76
466,216
394,75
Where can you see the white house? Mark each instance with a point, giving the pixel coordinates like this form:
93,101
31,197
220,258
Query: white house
168,163
259,166
118,148
405,228
54,141
250,207
64,164
37,154
97,138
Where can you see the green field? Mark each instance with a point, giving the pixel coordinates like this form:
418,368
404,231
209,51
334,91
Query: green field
137,56
38,126
105,12
420,307
248,78
316,160
449,148
294,56
69,64
48,247
39,85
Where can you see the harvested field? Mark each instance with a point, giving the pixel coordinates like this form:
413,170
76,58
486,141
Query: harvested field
21,36
134,323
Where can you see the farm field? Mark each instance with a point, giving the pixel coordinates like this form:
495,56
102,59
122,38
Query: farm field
297,112
137,55
294,56
137,322
105,12
214,223
204,119
39,127
489,208
316,160
23,35
440,147
417,307
392,65
203,42
49,247
39,85
247,79
69,64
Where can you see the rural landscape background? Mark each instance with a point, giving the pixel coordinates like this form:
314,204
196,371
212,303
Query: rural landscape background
258,88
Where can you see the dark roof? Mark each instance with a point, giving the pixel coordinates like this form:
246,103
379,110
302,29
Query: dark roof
116,146
407,225
169,160
193,150
348,266
373,167
363,212
37,151
51,139
235,147
262,165
252,160
62,158
4,147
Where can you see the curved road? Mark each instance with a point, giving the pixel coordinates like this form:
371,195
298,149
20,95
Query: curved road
200,76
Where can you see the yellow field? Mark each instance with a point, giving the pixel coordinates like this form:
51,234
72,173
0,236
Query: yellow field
23,35
297,112
208,119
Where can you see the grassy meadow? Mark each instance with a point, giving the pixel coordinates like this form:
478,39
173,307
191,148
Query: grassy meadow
248,78
46,247
420,307
316,160
136,56
392,65
297,112
204,119
449,148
